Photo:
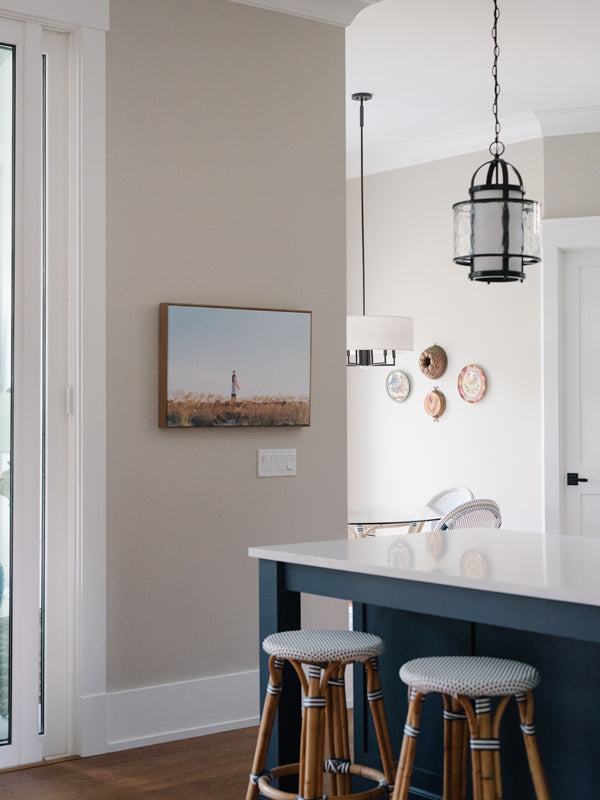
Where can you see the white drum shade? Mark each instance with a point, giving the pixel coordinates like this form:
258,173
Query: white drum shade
379,333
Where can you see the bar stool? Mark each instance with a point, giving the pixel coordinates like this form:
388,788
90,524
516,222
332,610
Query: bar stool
326,652
467,684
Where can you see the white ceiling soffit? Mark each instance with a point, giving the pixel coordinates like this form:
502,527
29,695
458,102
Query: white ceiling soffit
335,12
428,65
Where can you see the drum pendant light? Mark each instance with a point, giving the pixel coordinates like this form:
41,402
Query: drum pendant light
497,231
372,341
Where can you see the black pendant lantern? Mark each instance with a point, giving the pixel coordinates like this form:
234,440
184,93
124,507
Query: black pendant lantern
372,341
497,231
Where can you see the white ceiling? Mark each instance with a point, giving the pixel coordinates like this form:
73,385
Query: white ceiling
428,64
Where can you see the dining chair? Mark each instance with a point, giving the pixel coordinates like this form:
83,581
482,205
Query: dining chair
473,514
450,498
444,502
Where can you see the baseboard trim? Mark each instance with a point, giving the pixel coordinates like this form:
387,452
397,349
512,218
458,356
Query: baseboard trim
167,712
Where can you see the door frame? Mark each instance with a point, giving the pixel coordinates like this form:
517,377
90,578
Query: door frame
559,236
85,400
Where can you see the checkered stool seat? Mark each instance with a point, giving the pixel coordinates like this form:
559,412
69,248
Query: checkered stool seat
325,755
472,676
475,692
323,646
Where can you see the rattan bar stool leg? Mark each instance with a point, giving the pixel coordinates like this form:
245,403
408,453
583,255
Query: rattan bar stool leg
266,724
338,736
483,746
496,734
538,775
455,749
313,733
409,745
375,698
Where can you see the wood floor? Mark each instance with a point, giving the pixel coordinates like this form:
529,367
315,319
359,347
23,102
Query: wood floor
211,767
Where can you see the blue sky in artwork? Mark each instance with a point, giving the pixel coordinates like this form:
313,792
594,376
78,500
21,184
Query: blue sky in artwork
269,350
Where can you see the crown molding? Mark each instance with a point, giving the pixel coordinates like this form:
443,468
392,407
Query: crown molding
387,155
391,154
565,121
72,13
334,12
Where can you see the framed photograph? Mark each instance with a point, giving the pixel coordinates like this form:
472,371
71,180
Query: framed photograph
233,367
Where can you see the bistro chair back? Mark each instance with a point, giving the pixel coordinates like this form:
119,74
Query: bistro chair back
474,514
450,498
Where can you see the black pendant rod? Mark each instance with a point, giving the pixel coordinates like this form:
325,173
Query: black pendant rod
362,97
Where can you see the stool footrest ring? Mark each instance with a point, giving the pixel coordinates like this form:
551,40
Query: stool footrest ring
383,789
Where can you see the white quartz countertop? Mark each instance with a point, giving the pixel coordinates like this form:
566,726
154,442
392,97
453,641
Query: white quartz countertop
549,566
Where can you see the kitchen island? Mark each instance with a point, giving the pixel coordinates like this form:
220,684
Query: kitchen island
512,594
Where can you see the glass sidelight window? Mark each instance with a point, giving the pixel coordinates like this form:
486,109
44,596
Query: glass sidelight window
7,149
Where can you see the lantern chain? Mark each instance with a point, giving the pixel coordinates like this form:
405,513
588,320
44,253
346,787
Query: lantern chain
497,147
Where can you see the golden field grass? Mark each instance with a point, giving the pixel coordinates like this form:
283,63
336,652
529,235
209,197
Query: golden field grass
198,410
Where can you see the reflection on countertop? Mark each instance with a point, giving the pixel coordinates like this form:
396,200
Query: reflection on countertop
513,562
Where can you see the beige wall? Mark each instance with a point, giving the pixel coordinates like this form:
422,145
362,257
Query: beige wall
572,176
226,185
395,451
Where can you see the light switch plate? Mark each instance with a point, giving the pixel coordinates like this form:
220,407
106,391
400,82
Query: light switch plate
276,463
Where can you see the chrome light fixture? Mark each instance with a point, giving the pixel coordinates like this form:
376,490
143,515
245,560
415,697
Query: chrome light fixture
497,231
372,341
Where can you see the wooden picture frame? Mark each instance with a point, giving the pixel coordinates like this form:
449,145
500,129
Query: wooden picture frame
232,367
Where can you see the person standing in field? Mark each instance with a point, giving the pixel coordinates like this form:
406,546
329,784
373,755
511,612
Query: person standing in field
234,387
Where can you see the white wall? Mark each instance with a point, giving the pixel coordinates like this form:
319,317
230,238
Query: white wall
226,185
396,453
572,175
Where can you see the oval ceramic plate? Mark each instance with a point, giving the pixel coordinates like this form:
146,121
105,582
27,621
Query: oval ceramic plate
398,385
471,383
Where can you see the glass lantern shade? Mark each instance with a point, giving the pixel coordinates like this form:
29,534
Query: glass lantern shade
497,231
368,335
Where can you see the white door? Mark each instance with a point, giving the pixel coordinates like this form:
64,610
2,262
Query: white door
580,281
52,402
35,698
571,309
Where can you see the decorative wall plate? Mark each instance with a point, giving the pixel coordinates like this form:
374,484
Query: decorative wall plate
398,385
471,383
433,361
435,403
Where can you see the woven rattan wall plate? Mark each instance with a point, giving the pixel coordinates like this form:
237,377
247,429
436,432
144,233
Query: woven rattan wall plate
433,361
435,403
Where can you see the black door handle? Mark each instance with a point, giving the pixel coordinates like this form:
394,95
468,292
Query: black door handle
573,479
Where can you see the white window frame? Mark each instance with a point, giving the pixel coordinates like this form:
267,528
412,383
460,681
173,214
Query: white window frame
87,23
